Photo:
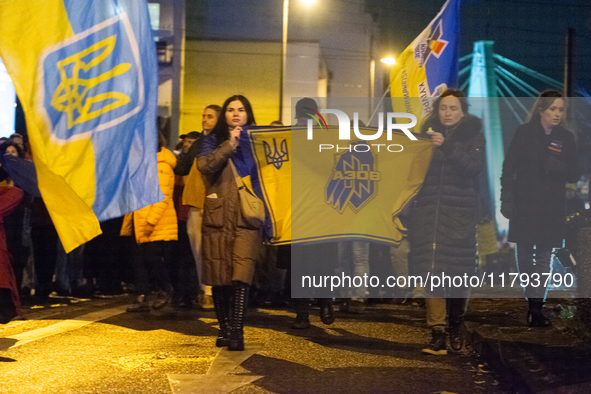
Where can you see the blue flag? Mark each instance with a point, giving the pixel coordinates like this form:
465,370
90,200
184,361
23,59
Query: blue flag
429,65
86,74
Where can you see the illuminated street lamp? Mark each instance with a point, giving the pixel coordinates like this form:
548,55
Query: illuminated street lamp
390,61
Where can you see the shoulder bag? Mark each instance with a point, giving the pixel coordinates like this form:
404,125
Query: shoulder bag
252,207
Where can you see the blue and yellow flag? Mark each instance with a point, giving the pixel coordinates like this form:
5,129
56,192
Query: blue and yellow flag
429,65
315,192
86,74
263,161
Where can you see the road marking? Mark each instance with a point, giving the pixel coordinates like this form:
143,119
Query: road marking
192,384
226,361
65,326
217,380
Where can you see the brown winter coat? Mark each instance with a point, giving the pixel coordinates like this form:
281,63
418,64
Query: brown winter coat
161,215
229,245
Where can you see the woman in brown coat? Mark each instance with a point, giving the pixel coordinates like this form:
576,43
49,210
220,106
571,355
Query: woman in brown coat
229,243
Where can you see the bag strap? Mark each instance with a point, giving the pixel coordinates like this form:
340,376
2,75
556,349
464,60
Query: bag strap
237,177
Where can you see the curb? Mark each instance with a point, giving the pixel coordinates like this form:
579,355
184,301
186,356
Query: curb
493,352
536,368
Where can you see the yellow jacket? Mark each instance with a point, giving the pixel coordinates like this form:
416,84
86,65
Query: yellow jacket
160,215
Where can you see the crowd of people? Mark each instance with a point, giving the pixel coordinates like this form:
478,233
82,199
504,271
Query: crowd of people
195,248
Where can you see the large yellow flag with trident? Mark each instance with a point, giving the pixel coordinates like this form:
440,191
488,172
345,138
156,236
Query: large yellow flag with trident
349,192
429,65
86,74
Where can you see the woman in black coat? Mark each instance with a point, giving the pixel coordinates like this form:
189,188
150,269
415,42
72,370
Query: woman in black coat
541,159
442,230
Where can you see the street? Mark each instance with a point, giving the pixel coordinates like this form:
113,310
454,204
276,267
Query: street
95,347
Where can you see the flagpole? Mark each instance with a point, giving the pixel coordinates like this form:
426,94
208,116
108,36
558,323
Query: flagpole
378,106
283,57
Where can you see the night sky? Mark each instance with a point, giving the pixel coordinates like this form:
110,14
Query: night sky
530,32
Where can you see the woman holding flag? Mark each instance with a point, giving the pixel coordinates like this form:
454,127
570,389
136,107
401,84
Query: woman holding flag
442,230
230,244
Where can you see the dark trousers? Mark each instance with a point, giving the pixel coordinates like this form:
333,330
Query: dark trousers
44,239
7,311
150,266
183,272
534,261
13,226
106,258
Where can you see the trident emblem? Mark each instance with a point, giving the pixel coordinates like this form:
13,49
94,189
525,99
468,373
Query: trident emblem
72,94
274,156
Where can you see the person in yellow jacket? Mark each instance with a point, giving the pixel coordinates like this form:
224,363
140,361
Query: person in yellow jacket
153,226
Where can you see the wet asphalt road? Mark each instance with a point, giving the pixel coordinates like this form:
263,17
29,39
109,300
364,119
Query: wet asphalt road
95,347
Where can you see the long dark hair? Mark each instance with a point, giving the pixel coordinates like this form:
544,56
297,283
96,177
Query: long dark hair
221,129
544,101
4,146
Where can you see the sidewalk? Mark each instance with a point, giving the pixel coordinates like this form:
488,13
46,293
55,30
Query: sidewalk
542,360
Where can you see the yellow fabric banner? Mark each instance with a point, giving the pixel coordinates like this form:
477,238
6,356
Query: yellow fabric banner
326,188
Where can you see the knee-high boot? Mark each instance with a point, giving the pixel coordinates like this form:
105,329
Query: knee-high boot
240,291
221,302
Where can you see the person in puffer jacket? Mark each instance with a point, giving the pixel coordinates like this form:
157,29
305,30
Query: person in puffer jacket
153,227
442,226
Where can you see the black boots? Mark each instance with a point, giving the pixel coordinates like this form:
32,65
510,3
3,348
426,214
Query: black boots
230,307
535,314
326,311
456,336
302,320
456,308
438,345
221,300
240,291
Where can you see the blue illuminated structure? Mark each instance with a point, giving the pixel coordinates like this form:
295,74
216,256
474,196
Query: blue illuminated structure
483,83
494,79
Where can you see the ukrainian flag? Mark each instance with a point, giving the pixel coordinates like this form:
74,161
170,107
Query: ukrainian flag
263,162
86,74
429,65
317,195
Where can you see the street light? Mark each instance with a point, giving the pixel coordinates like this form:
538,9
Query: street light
308,2
390,61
